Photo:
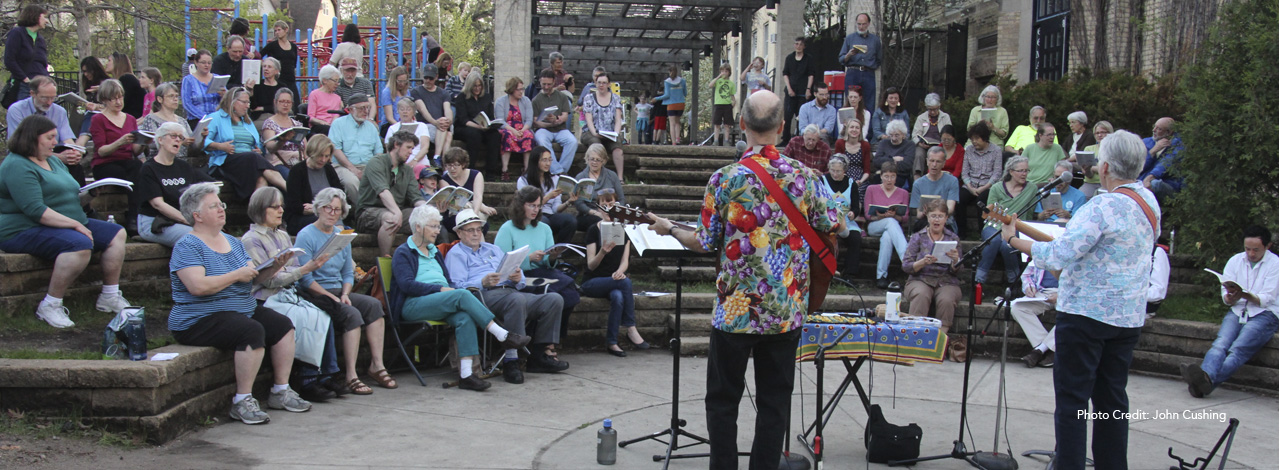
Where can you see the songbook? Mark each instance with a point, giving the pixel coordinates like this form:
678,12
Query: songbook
100,182
898,209
612,232
218,83
643,239
272,261
1227,283
511,261
613,136
250,69
299,134
484,120
143,137
201,127
336,243
862,49
1086,159
410,127
849,113
1051,202
72,95
64,147
926,198
940,249
548,113
988,114
454,198
579,249
570,186
930,142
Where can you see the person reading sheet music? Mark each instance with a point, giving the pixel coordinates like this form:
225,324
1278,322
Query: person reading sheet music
551,127
523,229
603,110
606,278
283,152
605,179
1040,288
40,214
1105,260
1012,193
886,224
555,202
930,283
844,194
1250,321
41,102
763,283
1069,199
161,183
482,141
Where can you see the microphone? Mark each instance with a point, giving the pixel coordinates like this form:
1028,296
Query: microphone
1066,177
741,146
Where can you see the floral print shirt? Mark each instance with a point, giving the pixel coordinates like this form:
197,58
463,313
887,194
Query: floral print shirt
1105,259
763,284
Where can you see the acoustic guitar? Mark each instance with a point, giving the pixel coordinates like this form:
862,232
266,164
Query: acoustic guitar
997,216
819,277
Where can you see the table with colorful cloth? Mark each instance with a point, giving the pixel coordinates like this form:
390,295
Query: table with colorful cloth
853,339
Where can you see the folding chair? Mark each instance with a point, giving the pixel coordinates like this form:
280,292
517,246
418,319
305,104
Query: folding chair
417,327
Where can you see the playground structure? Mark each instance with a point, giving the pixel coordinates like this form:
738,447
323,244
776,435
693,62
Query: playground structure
392,47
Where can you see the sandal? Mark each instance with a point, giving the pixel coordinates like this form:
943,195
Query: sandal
551,353
384,379
359,388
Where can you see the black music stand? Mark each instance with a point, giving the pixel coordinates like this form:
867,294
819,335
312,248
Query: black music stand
676,427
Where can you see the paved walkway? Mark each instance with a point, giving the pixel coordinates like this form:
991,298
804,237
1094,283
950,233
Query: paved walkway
550,421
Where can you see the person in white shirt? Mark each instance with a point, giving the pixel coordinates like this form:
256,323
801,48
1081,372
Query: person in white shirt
1251,318
1158,287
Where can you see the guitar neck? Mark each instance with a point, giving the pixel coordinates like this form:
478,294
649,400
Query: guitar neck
1029,231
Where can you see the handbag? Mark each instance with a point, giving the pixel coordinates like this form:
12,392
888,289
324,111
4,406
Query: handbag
310,323
10,94
887,442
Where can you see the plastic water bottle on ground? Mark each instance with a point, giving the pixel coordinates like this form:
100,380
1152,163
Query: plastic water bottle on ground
136,332
607,444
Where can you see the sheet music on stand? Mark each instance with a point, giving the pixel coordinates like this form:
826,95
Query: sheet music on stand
1050,229
645,239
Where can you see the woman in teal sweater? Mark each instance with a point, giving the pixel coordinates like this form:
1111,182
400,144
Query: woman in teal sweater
673,90
521,229
40,215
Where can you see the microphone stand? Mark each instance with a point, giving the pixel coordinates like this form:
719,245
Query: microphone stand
989,460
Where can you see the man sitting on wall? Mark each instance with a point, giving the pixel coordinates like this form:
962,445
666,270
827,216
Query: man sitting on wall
1026,135
388,192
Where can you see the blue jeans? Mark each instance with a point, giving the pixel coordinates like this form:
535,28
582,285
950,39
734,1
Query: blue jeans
1236,343
24,91
460,308
997,247
1092,364
568,147
891,238
622,304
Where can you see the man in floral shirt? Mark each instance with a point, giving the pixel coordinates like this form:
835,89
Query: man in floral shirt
763,285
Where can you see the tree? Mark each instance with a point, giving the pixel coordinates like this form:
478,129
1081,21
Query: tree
897,19
466,25
1229,161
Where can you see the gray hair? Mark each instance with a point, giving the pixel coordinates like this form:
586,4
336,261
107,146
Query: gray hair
932,99
189,202
404,101
1065,164
896,125
940,151
284,90
162,90
328,194
110,89
1008,166
258,202
1032,112
555,55
171,128
991,89
329,72
273,61
811,129
232,40
1105,125
423,215
1124,152
1078,116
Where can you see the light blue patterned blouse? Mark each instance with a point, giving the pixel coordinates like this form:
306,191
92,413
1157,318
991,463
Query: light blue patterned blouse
1105,259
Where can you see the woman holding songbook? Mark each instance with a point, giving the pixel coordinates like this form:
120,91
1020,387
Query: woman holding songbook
555,202
235,150
197,99
211,278
40,215
990,112
931,283
522,228
282,153
886,210
606,278
483,141
263,99
1011,193
605,179
329,287
603,109
844,191
164,110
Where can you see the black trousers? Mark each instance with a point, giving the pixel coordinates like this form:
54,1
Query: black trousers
966,203
793,104
852,253
775,359
1092,365
482,144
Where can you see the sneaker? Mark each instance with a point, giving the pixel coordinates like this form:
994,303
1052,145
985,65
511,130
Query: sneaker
515,341
471,382
55,315
542,363
248,412
113,303
511,372
882,283
287,400
1033,358
1197,379
1048,360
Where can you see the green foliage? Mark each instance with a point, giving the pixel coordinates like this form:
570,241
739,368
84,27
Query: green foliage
1201,308
1126,101
465,26
1229,132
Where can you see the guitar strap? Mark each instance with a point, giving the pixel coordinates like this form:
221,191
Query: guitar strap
1151,215
797,219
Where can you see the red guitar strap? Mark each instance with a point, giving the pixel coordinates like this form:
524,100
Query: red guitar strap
797,219
1151,215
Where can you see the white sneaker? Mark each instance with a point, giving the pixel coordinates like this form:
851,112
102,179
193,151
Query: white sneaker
113,303
55,315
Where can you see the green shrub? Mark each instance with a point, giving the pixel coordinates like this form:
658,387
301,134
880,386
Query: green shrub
1229,133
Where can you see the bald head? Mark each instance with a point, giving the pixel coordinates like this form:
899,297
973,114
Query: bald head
1163,128
762,113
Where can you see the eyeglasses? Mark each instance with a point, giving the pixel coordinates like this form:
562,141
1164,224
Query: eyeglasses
437,227
532,205
467,230
1020,171
937,216
219,206
276,207
328,209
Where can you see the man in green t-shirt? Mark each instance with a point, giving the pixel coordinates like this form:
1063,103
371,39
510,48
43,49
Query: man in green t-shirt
388,192
726,95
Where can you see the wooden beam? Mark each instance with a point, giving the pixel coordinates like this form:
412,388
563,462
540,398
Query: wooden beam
632,23
618,56
750,4
645,43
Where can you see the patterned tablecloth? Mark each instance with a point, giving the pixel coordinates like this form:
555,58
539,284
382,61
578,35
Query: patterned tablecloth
903,343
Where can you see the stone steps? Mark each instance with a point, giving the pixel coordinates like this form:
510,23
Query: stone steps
683,176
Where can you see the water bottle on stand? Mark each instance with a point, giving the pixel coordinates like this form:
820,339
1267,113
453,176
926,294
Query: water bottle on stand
607,444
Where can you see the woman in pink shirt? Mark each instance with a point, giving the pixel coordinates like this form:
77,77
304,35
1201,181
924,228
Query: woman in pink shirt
887,224
324,99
